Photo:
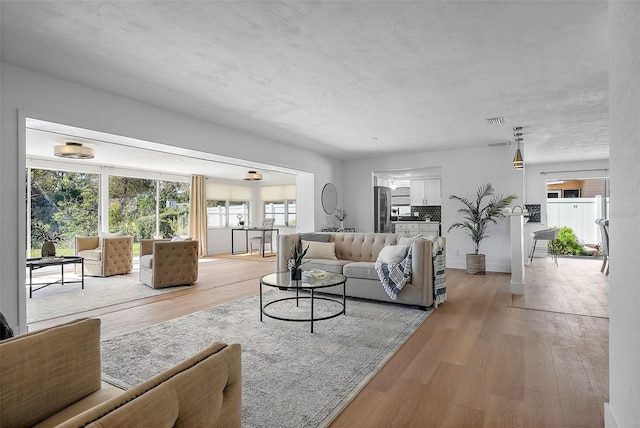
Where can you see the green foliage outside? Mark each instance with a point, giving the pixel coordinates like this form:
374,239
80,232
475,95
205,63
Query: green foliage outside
66,204
567,243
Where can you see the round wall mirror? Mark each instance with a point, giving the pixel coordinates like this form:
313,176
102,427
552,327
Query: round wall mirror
329,198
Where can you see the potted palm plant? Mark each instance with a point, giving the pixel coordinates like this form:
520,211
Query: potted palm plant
476,220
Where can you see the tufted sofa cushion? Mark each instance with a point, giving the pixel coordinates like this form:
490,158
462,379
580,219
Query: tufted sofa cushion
362,247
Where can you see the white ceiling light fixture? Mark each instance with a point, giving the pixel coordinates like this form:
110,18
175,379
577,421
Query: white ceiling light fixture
72,150
252,176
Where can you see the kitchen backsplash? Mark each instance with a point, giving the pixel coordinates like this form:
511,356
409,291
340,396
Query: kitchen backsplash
432,211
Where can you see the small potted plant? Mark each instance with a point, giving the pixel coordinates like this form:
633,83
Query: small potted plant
42,233
295,262
476,220
341,215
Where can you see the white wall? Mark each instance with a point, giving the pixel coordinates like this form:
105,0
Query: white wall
463,171
624,294
44,97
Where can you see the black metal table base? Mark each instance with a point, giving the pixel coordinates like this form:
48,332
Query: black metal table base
62,262
312,297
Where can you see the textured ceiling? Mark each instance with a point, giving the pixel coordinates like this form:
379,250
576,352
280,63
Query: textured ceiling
349,79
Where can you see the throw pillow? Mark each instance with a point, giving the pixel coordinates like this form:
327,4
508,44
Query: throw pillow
317,237
179,238
408,240
392,254
320,250
102,235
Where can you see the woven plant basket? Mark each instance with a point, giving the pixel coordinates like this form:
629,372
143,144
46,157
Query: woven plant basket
476,264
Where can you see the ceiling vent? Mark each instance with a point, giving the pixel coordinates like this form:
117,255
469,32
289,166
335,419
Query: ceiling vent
252,176
499,143
495,120
73,151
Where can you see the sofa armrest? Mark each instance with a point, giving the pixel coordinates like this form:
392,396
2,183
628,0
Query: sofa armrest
205,390
285,241
86,243
422,268
43,372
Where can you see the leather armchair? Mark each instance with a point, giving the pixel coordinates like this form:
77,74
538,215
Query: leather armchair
165,263
114,257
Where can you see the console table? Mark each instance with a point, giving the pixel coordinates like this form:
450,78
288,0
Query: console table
246,238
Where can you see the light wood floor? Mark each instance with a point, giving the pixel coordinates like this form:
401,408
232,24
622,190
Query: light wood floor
477,361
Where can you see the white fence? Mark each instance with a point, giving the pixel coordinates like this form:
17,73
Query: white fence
579,214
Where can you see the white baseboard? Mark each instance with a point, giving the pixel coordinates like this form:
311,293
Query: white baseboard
609,420
491,267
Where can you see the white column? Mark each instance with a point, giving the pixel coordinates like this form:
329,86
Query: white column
517,252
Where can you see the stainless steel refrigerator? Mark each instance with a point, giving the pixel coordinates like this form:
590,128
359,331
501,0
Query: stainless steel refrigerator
382,209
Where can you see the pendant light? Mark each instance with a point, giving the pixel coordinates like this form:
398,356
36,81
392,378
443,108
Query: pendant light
518,162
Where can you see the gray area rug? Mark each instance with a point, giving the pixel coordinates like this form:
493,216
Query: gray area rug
58,300
290,377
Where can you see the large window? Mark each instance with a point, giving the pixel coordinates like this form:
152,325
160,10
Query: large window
284,212
147,208
66,204
63,203
227,213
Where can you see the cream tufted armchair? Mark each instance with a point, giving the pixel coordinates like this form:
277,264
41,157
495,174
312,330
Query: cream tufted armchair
165,263
113,257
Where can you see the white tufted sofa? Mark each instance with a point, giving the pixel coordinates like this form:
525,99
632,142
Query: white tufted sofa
165,263
115,257
356,254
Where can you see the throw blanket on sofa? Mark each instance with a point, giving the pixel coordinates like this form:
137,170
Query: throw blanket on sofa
439,273
394,276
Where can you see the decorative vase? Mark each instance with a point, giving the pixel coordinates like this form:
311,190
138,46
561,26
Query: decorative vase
341,224
48,249
476,264
295,274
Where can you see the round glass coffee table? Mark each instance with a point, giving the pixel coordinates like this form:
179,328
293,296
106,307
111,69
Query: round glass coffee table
282,281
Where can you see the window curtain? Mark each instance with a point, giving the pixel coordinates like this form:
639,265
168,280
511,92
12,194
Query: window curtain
198,213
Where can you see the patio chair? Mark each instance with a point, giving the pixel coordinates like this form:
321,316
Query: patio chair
545,235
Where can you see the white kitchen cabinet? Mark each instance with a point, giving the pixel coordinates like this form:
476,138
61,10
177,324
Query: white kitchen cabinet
425,192
433,194
416,189
412,228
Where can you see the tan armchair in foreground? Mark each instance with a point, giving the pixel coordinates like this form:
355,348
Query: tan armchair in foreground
114,257
165,263
52,378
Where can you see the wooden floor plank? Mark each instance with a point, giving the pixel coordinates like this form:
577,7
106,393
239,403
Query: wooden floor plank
542,410
504,413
